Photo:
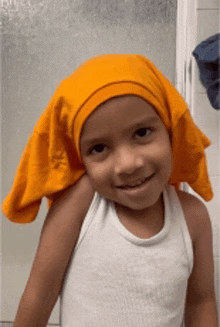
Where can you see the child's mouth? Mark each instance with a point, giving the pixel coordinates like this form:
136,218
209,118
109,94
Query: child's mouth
136,186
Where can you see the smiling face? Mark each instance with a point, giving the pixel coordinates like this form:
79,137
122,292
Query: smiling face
124,143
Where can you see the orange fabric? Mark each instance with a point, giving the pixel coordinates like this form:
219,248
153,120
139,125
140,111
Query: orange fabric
51,159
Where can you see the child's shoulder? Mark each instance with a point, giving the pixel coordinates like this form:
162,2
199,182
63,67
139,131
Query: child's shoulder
201,282
195,212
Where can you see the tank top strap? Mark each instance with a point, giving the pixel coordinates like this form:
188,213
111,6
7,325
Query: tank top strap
179,217
95,204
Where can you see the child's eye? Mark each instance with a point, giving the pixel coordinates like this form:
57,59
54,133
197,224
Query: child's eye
142,132
98,148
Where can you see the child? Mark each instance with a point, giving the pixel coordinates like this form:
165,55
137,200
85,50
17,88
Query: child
123,246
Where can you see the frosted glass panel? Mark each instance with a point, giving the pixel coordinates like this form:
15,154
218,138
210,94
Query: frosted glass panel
43,41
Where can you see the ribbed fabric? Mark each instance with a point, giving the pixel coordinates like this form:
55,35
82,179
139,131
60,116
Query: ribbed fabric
116,279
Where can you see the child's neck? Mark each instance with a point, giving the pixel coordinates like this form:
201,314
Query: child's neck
145,223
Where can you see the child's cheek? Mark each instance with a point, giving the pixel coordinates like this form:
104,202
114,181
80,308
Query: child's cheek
168,163
163,156
96,172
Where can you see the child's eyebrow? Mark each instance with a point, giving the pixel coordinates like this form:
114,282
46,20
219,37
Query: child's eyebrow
139,123
147,120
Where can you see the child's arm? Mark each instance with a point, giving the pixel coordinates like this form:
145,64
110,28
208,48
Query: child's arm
57,241
201,309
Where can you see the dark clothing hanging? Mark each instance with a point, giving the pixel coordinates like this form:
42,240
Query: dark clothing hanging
207,56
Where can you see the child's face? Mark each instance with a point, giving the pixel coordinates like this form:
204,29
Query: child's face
122,143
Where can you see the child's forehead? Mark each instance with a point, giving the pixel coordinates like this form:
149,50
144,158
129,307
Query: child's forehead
128,105
124,111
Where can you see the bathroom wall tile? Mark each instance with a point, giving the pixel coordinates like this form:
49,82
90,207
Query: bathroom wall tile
213,207
205,31
212,157
207,118
208,24
207,4
212,17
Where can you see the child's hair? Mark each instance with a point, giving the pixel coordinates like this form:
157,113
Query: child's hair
51,160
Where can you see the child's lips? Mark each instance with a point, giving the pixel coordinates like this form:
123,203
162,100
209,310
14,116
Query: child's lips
137,191
136,184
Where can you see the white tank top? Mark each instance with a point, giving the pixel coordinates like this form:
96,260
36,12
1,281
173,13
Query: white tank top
116,279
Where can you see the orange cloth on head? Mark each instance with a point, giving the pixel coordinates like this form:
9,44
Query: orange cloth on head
51,160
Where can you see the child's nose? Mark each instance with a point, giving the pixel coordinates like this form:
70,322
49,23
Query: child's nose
127,160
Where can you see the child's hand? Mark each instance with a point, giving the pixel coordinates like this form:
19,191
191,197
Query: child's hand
58,238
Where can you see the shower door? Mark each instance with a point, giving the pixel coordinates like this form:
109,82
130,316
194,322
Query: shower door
43,41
